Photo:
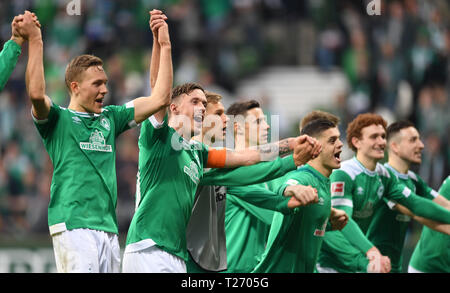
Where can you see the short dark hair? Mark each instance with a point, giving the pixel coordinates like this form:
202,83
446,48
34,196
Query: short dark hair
395,128
241,108
316,127
185,88
318,114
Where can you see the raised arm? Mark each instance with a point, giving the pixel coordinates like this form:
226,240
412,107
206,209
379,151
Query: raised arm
305,148
161,73
34,76
156,17
11,52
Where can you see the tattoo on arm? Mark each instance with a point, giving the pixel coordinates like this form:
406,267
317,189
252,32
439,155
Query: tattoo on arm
270,151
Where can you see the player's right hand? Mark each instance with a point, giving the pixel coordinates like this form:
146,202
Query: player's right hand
305,195
378,263
26,26
157,18
305,149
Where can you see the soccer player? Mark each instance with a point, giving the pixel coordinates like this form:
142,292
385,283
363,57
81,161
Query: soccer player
357,188
294,240
431,254
206,239
12,48
388,228
247,223
170,168
80,140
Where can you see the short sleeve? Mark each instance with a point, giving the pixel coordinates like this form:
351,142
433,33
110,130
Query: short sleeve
123,116
46,126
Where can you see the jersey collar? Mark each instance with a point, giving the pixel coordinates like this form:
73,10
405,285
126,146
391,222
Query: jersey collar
365,170
397,173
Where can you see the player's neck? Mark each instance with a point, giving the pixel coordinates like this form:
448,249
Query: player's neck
316,164
367,162
76,107
184,132
398,164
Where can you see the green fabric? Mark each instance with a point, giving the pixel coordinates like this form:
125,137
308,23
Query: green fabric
247,227
432,252
295,239
253,174
169,169
82,147
388,228
8,60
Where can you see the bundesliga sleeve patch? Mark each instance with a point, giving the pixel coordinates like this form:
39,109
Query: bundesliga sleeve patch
337,188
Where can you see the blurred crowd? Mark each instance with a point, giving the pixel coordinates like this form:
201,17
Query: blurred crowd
397,63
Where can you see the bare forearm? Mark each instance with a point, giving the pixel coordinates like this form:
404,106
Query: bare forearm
442,201
154,63
160,98
269,152
437,226
164,80
242,158
34,77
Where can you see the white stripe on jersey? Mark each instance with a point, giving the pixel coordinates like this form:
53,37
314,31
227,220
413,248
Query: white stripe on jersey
156,124
138,191
341,202
130,104
434,193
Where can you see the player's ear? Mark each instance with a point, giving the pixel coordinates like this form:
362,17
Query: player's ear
356,142
393,146
74,87
174,109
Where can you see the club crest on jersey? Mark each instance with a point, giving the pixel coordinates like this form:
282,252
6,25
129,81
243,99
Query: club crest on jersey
192,172
360,191
337,188
105,123
96,142
380,191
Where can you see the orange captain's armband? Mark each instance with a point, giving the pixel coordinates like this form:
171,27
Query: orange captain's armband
216,158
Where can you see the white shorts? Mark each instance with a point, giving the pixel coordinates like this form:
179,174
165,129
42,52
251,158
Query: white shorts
86,251
323,270
152,260
413,270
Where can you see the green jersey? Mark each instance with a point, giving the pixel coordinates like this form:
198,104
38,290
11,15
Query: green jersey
8,60
206,238
359,191
248,215
170,169
295,239
82,148
432,252
388,228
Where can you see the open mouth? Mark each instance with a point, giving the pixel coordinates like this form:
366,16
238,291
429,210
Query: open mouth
337,156
99,100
